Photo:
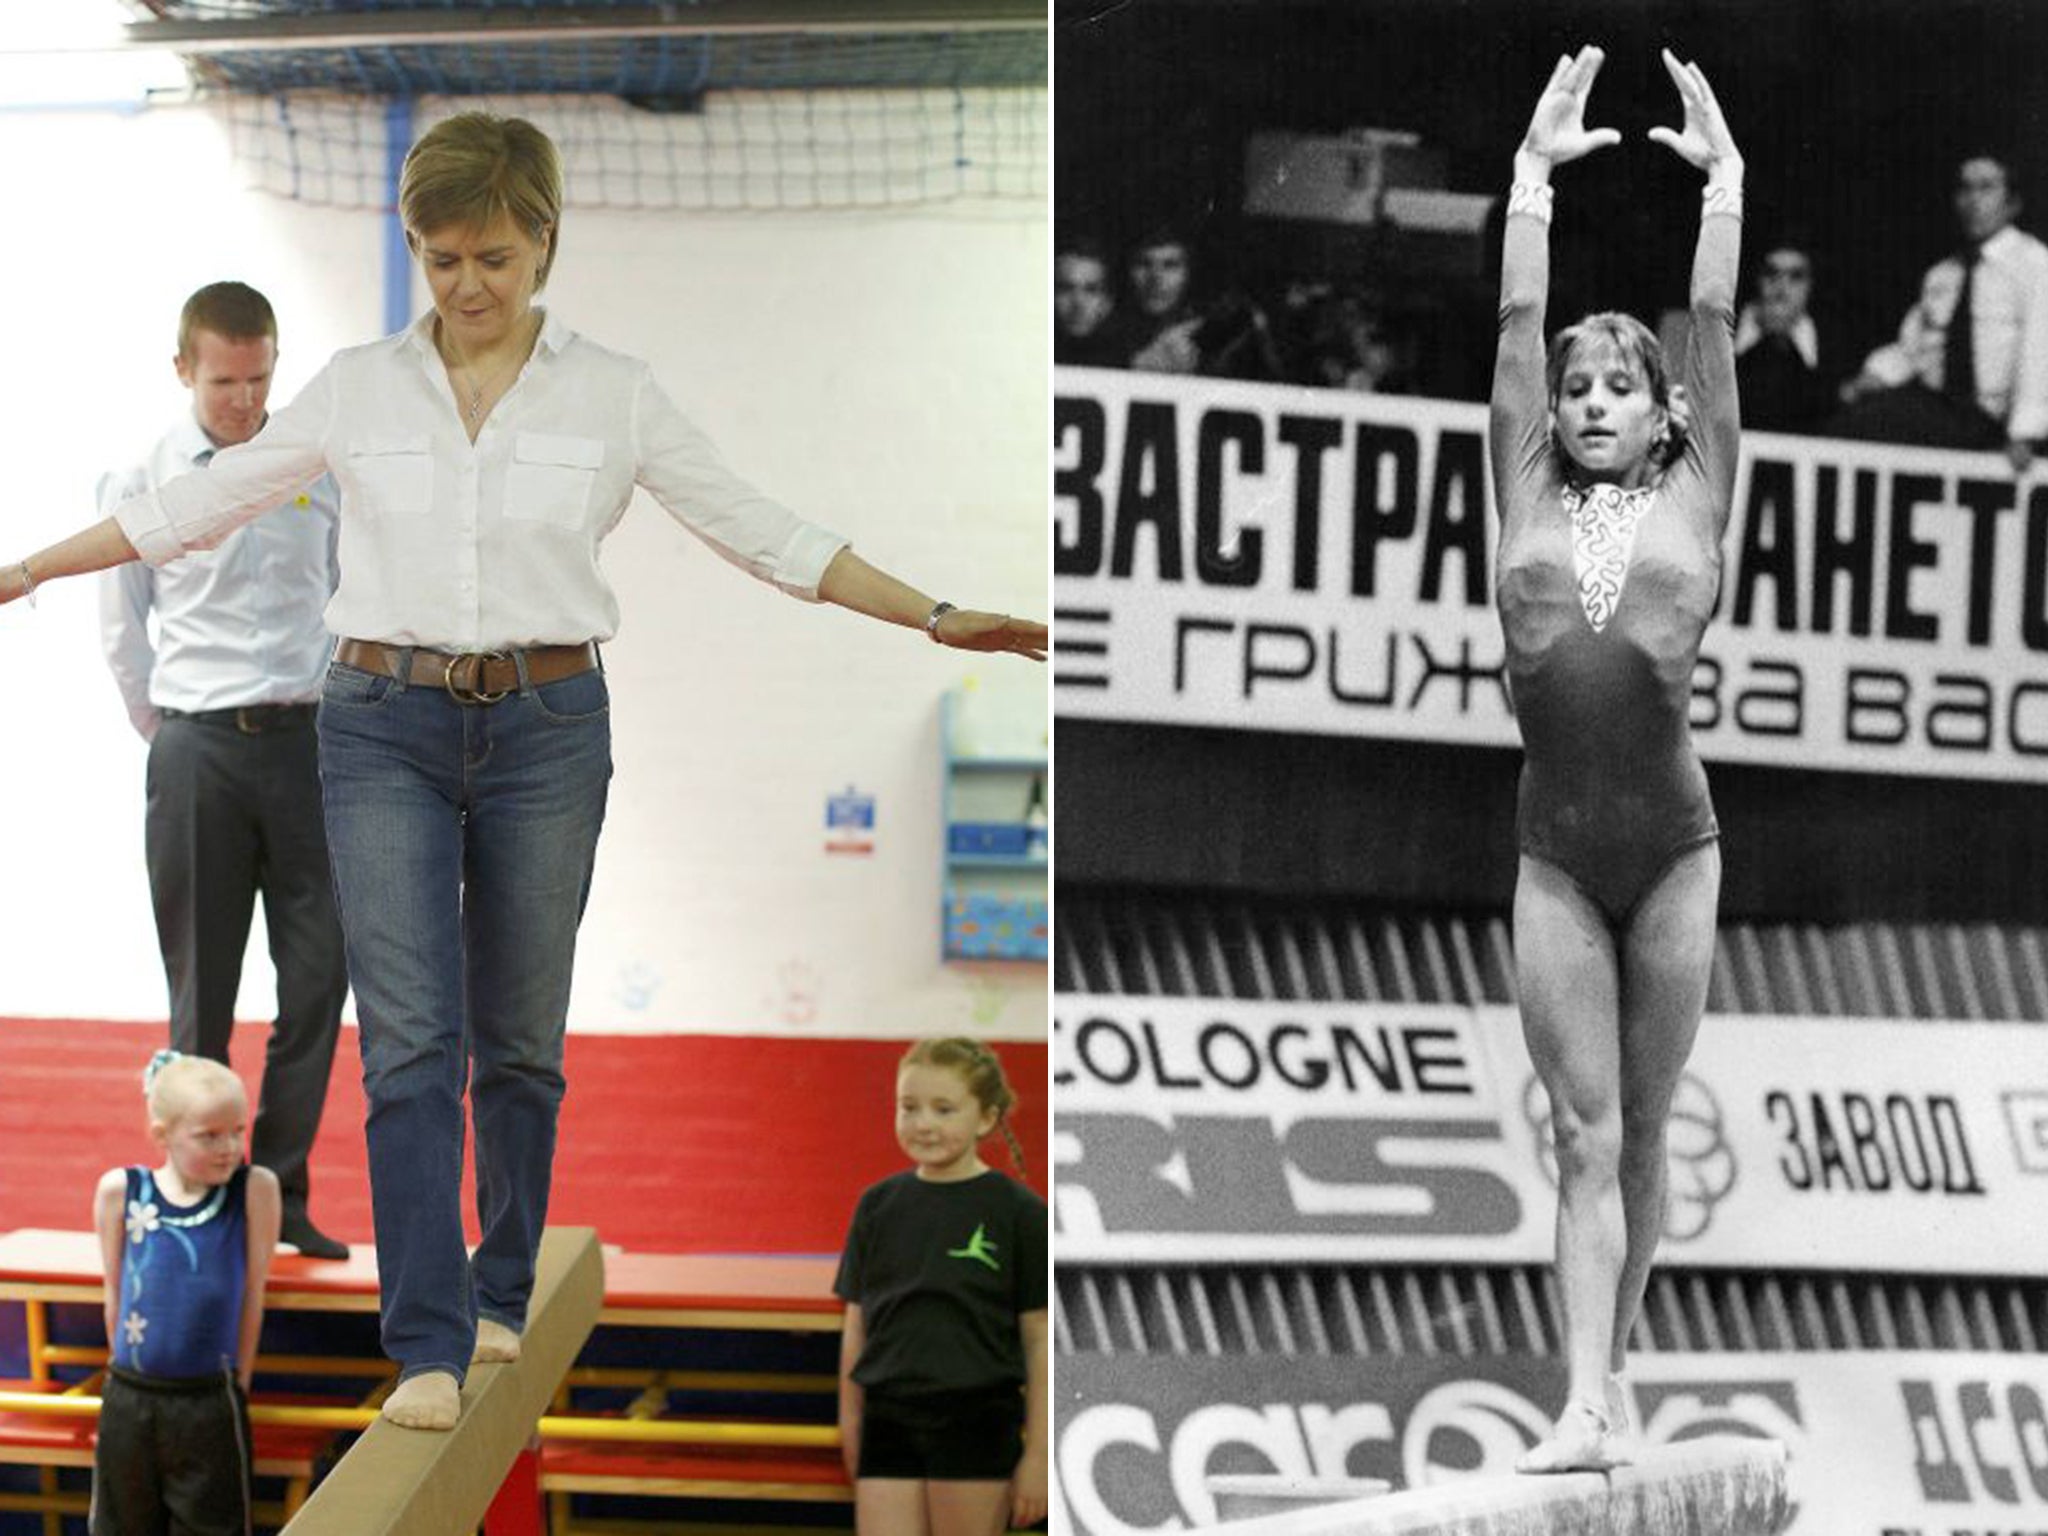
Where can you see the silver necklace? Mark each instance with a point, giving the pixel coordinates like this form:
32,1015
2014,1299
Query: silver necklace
476,390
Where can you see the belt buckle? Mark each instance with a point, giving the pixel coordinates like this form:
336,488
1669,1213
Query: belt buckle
248,721
471,692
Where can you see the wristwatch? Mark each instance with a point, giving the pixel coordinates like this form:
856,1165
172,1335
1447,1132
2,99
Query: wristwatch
931,620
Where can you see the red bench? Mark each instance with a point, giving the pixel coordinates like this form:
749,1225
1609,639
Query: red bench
691,1471
40,1267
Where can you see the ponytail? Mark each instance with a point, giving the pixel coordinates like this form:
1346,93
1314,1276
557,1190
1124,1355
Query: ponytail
982,1071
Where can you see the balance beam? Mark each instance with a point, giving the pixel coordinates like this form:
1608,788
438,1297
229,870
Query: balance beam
416,1482
1719,1486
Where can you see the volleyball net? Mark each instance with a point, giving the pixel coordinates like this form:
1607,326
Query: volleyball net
743,150
745,105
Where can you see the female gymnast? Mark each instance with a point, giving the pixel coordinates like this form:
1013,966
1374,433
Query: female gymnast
1612,507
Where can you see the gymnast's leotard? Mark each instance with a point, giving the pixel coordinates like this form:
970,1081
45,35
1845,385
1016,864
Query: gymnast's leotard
1600,662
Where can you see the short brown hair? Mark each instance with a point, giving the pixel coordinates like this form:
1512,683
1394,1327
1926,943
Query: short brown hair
231,310
471,168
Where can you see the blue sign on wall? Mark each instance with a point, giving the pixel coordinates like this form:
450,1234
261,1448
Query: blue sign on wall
850,822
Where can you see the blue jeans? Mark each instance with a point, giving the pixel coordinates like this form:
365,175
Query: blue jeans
462,838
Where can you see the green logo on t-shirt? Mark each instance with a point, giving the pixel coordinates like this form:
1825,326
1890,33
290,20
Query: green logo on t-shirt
980,1248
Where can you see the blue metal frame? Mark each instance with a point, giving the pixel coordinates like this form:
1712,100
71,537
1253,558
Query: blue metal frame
951,863
397,254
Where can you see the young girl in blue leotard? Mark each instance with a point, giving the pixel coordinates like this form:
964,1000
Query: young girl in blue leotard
186,1248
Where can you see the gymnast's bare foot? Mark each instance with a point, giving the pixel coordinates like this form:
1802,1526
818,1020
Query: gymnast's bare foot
1578,1443
430,1400
1622,1433
495,1343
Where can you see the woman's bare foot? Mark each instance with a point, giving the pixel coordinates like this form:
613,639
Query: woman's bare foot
430,1400
495,1343
1578,1443
1622,1432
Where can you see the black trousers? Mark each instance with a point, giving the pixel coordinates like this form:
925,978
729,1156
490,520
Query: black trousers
172,1458
232,815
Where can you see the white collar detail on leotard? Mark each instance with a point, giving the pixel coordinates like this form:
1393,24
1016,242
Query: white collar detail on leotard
1604,523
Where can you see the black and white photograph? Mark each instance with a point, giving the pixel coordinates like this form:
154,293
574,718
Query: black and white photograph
1550,678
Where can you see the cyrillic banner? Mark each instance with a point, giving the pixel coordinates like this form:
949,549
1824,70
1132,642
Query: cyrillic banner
1207,1129
1264,557
1908,1444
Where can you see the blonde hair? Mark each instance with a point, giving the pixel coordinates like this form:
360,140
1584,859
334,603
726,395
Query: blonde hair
474,167
981,1070
173,1084
1635,343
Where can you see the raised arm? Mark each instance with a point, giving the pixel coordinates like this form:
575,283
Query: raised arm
1557,134
1705,143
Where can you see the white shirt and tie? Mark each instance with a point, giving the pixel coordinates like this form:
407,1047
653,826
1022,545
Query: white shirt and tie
237,625
490,545
1803,336
2008,333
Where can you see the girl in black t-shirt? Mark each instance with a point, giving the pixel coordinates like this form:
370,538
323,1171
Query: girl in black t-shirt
942,1368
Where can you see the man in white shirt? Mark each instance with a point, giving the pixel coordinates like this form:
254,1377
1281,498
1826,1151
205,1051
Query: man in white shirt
1980,385
224,693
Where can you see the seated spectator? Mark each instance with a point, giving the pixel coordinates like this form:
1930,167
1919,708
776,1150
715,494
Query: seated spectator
1348,342
1165,331
1159,333
1777,346
1981,382
1083,305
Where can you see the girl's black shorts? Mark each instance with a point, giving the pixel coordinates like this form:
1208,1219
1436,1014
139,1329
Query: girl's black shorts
950,1437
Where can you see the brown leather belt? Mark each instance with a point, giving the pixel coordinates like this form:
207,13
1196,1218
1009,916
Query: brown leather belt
471,677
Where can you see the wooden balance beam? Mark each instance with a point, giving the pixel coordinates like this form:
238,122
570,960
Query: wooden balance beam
1719,1486
416,1482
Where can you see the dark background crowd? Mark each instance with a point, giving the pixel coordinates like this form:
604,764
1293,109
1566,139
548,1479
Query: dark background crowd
1865,125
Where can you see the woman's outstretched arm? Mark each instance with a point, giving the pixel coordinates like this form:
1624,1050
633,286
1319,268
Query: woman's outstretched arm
1557,134
197,510
852,583
90,549
1709,371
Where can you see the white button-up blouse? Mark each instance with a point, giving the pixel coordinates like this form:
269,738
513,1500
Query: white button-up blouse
483,546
